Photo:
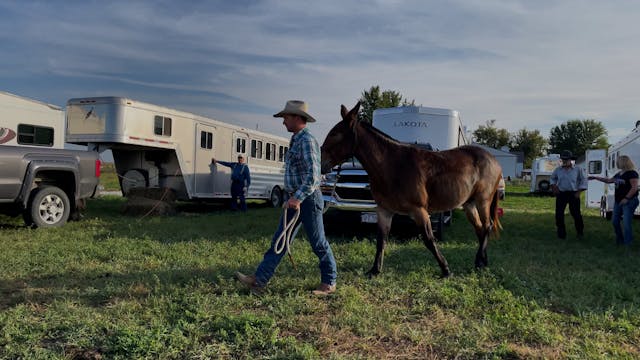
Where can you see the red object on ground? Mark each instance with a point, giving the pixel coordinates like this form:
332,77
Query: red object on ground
500,212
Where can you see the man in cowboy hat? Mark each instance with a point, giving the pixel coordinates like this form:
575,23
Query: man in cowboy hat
302,184
567,182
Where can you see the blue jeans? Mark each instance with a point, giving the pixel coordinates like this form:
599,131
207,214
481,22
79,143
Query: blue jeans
237,191
624,213
311,217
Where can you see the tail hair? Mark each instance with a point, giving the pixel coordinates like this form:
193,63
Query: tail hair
496,226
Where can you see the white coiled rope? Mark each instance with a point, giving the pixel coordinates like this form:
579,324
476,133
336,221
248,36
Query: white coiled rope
289,230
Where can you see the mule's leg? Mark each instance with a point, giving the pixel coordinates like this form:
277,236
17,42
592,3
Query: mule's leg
421,217
482,224
384,226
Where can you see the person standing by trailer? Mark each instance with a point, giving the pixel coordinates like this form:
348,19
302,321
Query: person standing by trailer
302,183
626,198
567,182
240,181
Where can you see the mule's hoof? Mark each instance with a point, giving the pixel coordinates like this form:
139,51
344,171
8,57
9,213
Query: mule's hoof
373,273
446,275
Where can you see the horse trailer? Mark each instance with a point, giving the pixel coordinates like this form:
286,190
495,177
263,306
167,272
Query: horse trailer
159,147
28,122
630,146
541,171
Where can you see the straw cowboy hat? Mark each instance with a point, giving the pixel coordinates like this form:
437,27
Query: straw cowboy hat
566,155
296,107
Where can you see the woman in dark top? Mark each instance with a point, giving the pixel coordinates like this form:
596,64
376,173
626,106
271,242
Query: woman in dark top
626,198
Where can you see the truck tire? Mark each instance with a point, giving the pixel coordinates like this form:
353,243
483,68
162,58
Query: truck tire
438,226
49,206
276,197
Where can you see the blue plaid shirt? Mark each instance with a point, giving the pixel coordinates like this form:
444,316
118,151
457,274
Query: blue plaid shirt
302,165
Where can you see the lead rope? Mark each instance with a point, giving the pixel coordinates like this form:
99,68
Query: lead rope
283,242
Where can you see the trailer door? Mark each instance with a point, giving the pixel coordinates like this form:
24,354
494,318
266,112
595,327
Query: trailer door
595,161
203,169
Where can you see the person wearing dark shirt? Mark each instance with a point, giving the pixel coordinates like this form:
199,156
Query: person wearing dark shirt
626,198
240,181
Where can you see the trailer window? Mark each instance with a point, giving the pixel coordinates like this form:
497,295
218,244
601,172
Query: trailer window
206,140
595,167
282,150
162,126
241,146
35,135
271,151
256,149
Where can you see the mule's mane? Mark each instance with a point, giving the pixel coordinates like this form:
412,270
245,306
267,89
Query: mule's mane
384,135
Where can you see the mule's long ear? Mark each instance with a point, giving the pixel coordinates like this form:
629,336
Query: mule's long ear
353,116
356,108
344,112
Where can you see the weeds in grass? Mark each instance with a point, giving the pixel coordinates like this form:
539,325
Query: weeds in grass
121,287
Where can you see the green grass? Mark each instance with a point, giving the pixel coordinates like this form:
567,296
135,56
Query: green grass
162,287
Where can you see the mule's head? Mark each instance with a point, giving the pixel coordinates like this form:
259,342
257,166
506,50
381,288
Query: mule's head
339,144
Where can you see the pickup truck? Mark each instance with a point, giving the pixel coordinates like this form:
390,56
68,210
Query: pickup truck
48,186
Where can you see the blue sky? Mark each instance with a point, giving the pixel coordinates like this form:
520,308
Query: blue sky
532,64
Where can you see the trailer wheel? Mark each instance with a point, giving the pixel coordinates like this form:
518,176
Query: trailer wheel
49,207
544,186
133,178
276,197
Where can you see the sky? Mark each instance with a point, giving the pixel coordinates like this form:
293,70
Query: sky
524,64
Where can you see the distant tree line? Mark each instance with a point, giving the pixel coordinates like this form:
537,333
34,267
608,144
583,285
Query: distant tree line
575,135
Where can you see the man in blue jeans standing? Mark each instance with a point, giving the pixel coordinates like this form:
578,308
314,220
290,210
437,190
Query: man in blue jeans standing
301,182
240,181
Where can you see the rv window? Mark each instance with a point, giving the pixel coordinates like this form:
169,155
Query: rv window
162,125
206,140
35,135
595,167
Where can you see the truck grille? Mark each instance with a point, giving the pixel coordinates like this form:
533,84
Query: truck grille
353,178
353,194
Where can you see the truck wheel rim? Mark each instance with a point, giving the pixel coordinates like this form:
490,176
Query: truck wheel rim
51,209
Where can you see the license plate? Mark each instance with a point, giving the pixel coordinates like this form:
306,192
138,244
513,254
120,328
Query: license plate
369,217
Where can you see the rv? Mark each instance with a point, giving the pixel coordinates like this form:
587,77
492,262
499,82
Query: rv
541,171
159,147
440,128
630,146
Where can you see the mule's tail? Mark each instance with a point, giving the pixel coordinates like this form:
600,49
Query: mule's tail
494,211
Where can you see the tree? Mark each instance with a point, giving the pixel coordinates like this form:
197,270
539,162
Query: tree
578,136
531,143
490,136
374,99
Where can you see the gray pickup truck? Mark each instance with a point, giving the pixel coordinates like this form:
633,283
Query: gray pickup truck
47,186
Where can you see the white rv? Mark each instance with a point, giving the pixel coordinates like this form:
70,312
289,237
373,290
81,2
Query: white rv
630,146
541,171
28,122
154,146
440,128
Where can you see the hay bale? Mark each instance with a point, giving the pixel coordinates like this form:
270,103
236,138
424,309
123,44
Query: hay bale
150,201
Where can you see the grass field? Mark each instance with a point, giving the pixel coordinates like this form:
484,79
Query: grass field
116,287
